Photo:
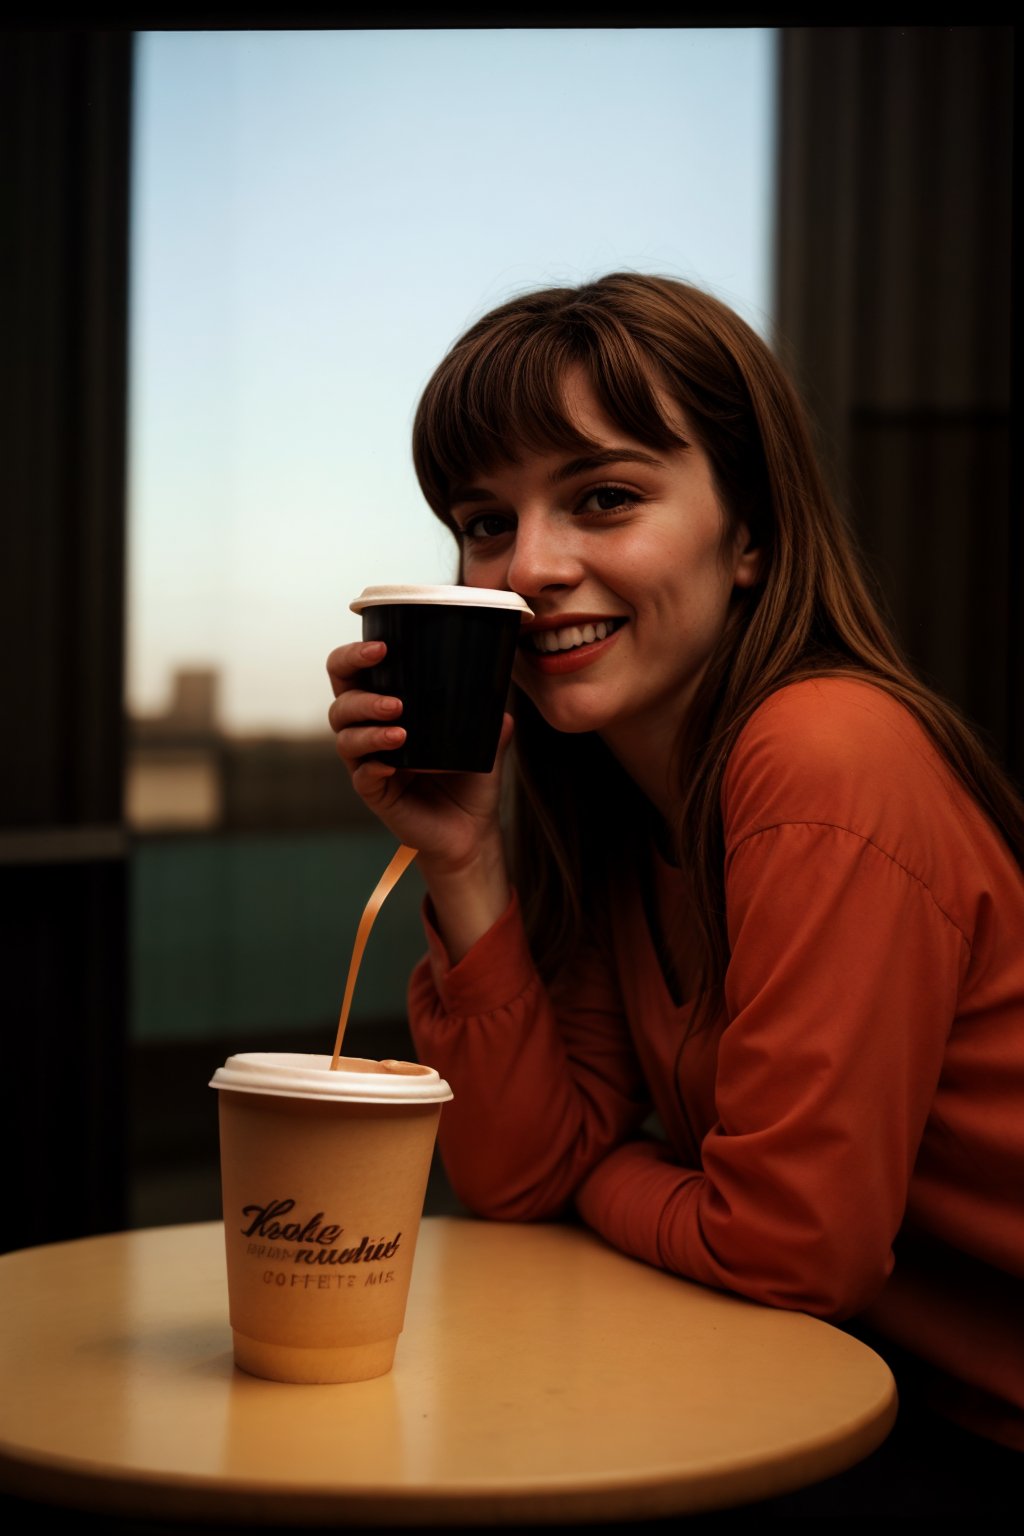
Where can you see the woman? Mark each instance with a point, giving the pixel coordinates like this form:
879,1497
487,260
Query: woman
757,1009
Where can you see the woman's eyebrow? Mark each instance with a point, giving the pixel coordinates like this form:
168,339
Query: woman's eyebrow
601,460
464,493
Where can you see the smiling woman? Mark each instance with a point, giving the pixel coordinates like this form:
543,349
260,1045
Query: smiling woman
758,880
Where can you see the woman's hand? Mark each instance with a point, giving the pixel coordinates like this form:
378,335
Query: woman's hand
451,818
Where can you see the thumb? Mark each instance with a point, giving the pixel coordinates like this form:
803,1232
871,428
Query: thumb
508,726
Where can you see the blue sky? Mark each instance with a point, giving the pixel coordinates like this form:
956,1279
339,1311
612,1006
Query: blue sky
317,216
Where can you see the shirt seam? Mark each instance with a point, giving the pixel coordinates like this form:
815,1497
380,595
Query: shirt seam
835,826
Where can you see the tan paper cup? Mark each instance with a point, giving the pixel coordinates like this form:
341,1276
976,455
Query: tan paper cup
323,1177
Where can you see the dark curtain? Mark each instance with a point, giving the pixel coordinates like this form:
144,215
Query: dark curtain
64,145
893,303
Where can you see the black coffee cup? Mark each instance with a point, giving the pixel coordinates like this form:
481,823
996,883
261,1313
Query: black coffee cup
449,660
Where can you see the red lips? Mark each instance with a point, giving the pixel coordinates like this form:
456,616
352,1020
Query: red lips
557,663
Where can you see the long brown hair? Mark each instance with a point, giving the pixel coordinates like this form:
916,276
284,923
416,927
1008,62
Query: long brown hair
499,394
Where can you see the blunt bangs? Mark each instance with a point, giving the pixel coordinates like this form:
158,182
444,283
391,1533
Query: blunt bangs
499,393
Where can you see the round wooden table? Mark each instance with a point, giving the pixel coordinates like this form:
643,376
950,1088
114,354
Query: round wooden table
541,1377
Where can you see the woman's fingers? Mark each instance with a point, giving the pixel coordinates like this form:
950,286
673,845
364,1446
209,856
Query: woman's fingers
354,705
445,816
359,740
349,660
371,780
363,722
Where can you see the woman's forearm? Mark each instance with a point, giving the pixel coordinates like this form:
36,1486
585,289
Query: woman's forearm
468,899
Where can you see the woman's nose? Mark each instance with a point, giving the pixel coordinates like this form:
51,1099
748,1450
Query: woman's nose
546,554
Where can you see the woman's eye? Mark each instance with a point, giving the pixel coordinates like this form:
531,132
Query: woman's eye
607,498
486,525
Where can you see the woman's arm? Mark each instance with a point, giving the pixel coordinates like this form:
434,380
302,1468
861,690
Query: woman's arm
542,1088
545,1084
848,922
841,990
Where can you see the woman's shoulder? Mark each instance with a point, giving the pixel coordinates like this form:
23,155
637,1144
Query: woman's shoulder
845,753
834,720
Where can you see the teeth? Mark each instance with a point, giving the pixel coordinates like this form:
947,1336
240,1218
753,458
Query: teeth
572,635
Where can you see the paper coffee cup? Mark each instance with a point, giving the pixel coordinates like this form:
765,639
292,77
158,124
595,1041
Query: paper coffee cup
449,659
323,1178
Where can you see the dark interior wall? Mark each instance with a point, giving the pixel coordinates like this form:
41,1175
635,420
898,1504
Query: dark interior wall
895,213
64,145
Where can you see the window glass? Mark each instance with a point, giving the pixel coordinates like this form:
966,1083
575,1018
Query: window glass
316,217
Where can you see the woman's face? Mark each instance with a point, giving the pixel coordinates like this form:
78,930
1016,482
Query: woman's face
624,557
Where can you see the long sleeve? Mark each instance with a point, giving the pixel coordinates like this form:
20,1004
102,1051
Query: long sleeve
840,994
868,1071
543,1085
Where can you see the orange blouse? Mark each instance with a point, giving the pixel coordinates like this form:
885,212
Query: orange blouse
861,1095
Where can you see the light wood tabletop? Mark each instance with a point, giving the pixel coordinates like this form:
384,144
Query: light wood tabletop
541,1377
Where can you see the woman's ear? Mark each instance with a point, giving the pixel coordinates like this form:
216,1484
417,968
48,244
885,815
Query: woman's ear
746,571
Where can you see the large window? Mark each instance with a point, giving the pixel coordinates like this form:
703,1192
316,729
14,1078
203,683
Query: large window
317,215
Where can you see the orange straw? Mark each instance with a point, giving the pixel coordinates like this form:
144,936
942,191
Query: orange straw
385,885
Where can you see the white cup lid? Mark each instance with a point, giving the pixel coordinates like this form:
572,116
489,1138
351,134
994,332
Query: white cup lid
285,1074
450,597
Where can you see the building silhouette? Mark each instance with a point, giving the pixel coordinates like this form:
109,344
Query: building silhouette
184,773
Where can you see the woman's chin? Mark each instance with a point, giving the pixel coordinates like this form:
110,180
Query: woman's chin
566,721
